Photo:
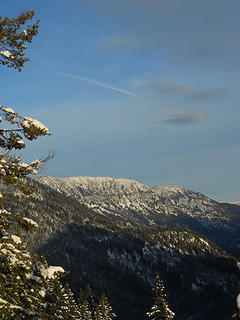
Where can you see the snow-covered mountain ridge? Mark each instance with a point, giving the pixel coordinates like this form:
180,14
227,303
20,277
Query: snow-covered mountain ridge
235,202
138,204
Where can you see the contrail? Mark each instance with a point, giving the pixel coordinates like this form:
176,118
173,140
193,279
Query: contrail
101,84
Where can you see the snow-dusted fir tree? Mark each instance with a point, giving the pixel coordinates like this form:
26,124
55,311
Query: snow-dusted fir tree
86,308
160,309
85,312
103,310
29,288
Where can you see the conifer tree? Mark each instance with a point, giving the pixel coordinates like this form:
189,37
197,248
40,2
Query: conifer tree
73,308
89,297
103,310
61,303
86,304
29,288
84,310
14,37
160,309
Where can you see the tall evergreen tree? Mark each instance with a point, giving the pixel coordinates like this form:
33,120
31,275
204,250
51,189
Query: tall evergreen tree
29,288
160,309
103,310
86,304
85,311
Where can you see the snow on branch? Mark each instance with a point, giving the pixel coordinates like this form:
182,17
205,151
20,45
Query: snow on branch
14,36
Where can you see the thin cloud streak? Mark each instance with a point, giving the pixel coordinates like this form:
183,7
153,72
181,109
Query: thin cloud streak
187,118
100,84
162,86
184,118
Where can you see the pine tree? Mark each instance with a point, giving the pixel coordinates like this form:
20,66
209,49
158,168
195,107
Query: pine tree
61,303
29,288
73,308
14,37
89,297
103,310
90,310
85,312
86,304
160,309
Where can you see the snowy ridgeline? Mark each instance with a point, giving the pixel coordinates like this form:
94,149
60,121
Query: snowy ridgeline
123,197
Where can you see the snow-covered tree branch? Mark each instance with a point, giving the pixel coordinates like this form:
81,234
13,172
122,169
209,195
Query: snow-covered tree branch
14,35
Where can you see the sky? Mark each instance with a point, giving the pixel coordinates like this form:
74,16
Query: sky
145,90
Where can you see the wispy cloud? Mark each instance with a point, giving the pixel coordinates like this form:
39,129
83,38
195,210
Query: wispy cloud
100,84
184,118
163,86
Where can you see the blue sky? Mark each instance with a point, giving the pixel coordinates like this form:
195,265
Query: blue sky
146,90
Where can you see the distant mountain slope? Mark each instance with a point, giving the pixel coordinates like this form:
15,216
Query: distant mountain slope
235,202
134,203
202,282
122,197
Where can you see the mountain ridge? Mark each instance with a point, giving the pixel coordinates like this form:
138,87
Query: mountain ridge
106,187
136,204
